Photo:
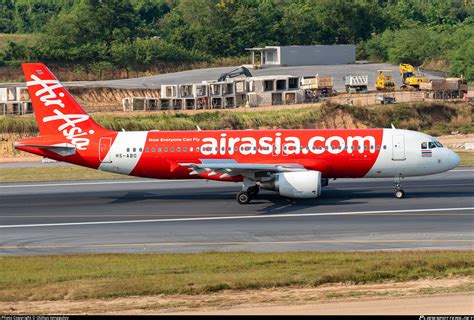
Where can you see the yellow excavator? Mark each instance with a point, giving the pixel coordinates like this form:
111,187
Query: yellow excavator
411,81
384,81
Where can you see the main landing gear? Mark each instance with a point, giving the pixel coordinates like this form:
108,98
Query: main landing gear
244,197
399,193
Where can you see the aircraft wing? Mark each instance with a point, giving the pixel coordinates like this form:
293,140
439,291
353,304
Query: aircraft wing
231,168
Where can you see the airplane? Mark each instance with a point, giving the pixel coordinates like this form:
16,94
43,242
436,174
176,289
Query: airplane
294,163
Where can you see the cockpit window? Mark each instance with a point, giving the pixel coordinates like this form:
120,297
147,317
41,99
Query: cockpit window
438,144
431,145
424,145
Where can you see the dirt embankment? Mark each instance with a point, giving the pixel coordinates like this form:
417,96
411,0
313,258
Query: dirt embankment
371,298
108,99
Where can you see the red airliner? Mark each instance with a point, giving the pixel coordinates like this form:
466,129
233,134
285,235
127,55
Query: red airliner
295,163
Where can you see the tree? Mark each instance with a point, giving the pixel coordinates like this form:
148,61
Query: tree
7,11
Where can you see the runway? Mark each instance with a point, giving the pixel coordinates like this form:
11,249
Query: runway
192,215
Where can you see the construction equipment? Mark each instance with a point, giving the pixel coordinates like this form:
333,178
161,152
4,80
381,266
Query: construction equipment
356,84
382,99
450,88
235,73
411,81
384,81
318,86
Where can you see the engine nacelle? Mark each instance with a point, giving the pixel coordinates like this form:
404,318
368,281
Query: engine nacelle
298,184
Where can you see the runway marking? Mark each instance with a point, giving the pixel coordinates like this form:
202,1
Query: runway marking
167,244
286,215
408,185
210,215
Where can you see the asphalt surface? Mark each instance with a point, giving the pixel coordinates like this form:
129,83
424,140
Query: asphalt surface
199,75
188,216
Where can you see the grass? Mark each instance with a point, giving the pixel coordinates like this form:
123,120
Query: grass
121,275
15,37
56,173
467,158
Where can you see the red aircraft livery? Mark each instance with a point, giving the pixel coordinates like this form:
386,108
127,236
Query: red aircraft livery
295,163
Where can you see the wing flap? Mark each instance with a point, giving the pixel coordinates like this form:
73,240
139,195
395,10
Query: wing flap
231,168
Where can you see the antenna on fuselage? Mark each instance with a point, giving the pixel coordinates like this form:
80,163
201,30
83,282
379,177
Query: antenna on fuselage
393,127
199,129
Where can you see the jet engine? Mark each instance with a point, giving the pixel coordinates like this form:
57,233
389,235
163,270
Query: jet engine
298,184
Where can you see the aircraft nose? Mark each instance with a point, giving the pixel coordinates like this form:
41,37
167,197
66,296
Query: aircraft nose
453,159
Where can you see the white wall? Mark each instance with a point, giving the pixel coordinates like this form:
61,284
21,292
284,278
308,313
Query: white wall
317,55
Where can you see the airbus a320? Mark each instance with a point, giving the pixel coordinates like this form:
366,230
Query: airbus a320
294,163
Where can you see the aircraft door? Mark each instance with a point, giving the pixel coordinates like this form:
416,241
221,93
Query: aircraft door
104,148
398,148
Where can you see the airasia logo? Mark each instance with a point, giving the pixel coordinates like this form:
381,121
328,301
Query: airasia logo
68,124
286,145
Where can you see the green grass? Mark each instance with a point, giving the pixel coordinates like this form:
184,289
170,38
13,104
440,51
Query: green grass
467,158
56,173
121,275
15,37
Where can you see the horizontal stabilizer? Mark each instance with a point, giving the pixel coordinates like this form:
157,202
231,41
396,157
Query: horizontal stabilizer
63,149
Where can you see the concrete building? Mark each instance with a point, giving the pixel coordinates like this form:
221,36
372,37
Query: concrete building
15,100
303,55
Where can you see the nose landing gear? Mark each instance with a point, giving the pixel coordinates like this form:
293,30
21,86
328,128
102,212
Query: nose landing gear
399,193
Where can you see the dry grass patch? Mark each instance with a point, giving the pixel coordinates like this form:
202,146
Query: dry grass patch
76,277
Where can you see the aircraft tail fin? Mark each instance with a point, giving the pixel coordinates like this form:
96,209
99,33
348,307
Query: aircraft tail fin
56,111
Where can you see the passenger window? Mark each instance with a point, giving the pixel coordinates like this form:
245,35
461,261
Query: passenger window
140,150
147,150
371,147
134,149
197,149
185,149
378,147
385,147
166,149
178,149
172,149
159,149
424,145
128,149
153,149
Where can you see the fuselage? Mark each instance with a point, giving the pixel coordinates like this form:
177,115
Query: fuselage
336,153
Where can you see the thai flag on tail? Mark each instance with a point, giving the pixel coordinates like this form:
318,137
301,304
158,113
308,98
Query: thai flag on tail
426,153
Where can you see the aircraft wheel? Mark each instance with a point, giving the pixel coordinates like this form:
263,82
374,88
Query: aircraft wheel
399,194
253,191
243,197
